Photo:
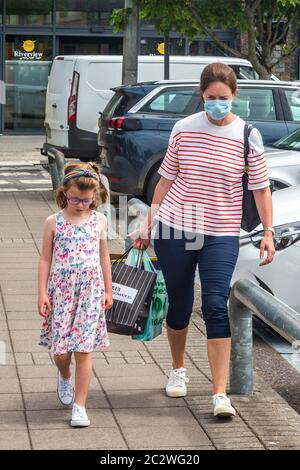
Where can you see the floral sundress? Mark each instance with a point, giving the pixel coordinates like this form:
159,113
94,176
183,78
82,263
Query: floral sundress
76,289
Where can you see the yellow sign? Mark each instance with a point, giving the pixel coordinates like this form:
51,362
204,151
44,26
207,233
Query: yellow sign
161,48
28,52
28,45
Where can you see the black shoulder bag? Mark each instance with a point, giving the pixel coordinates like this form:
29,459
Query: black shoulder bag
250,217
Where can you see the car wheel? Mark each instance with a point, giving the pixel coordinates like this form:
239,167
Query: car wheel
151,184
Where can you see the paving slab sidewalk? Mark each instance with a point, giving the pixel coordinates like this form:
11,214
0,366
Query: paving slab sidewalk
127,404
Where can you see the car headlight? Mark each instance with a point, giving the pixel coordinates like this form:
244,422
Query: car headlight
285,236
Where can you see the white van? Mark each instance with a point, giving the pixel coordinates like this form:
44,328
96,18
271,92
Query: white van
79,88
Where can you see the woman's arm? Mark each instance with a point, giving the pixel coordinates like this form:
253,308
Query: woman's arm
105,263
143,234
263,201
45,261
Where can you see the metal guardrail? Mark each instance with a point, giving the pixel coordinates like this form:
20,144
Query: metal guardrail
245,299
56,160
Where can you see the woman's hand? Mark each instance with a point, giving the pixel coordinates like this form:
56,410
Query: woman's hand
108,300
44,306
141,239
267,245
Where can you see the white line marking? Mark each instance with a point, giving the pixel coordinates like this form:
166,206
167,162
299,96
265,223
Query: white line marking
17,173
19,162
44,181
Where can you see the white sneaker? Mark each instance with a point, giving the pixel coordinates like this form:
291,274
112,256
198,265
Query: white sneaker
176,386
79,417
222,406
65,390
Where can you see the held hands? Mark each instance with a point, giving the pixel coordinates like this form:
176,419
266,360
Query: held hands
267,245
44,306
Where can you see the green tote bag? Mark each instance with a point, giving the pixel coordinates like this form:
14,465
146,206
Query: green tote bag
159,302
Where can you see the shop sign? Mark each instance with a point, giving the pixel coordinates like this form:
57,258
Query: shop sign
27,52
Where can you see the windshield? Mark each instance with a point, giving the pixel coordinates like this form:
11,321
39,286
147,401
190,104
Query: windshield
291,141
244,72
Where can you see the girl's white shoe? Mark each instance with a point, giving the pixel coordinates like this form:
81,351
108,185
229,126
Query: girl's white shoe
79,417
222,406
65,390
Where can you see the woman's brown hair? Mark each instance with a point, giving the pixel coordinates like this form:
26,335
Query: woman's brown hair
218,72
83,183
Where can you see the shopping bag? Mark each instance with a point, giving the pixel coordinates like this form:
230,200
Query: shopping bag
158,306
132,293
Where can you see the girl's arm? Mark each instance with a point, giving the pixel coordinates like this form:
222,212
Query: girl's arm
143,235
44,307
105,262
263,201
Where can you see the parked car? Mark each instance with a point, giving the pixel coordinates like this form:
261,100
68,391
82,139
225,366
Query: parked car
281,277
80,87
133,137
283,159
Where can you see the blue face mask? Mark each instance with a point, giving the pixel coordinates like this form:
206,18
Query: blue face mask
218,109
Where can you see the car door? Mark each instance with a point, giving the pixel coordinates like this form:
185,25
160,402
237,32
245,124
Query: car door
261,106
290,99
58,93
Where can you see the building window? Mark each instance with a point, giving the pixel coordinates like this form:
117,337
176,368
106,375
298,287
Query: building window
83,13
90,46
207,48
23,12
155,46
1,11
28,59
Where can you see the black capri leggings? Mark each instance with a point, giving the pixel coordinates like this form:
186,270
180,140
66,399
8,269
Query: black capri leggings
216,260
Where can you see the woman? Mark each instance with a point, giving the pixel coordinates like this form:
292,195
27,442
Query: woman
197,206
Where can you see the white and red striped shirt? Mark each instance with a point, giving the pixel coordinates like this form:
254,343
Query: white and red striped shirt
206,163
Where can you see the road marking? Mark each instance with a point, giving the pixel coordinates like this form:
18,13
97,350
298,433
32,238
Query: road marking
16,173
24,176
44,181
14,163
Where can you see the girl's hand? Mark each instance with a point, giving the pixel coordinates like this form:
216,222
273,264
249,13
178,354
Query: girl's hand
108,300
44,306
267,244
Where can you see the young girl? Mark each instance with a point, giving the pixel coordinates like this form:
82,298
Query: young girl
76,288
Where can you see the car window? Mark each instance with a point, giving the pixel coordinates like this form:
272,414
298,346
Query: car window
293,98
255,104
244,72
120,103
174,101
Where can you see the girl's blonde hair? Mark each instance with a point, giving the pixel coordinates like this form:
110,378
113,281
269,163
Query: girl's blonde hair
83,183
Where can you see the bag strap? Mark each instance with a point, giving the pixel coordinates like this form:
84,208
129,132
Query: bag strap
149,266
135,258
247,129
123,256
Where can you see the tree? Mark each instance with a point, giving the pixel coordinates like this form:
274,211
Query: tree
266,24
